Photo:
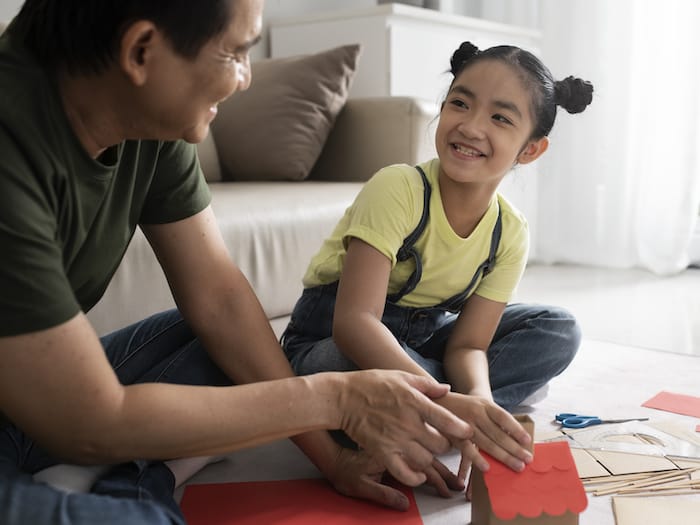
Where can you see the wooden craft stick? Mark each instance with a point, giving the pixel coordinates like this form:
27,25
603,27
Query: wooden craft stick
659,481
688,483
631,486
671,486
615,483
682,472
650,481
661,493
614,486
682,484
614,479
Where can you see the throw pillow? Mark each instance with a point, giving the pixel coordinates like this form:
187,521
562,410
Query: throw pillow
277,128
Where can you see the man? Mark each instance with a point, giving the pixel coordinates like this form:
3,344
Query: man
100,105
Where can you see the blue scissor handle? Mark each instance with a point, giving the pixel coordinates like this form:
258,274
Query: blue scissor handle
568,420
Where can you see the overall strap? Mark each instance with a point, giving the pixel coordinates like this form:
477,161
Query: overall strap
456,302
408,250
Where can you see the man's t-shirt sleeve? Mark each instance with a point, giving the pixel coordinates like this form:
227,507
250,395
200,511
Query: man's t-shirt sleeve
38,267
34,289
178,189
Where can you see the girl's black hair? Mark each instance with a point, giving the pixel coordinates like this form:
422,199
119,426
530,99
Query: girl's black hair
83,35
573,94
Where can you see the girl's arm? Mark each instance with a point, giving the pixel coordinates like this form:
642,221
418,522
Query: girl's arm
466,368
465,361
357,327
363,338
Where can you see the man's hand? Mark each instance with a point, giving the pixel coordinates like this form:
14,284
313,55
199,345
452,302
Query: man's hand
443,479
390,415
359,475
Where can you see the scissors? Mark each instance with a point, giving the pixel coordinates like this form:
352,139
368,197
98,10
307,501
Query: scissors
578,421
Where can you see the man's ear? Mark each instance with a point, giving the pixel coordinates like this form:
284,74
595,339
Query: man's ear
137,47
532,150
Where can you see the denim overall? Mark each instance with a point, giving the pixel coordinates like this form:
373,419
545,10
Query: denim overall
532,343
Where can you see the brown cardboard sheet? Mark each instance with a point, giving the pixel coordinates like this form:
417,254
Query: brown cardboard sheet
659,510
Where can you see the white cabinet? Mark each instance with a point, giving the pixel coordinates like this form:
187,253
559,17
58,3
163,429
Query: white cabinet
405,50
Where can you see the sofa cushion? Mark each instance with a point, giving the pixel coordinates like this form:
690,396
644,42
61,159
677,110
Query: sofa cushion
276,129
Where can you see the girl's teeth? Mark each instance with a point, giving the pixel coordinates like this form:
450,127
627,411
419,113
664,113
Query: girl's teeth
467,151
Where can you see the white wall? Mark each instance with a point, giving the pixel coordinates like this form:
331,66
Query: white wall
273,9
518,12
285,8
9,8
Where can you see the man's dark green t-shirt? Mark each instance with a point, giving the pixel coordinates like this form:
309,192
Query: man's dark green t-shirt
66,219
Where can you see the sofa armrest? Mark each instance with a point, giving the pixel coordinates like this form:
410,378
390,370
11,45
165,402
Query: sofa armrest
374,132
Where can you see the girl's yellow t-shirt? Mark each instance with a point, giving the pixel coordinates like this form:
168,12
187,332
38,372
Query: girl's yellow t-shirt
388,209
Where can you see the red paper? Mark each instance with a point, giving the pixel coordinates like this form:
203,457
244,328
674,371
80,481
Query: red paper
697,428
549,485
676,403
292,502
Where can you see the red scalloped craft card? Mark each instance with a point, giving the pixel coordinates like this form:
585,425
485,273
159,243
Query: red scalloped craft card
548,485
288,502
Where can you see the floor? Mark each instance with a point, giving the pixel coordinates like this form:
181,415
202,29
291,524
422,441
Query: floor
627,307
641,336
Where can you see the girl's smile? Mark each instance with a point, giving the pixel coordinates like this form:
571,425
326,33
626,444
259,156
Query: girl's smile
467,151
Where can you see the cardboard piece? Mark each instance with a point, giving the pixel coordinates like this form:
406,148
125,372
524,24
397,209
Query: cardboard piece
289,502
660,510
586,465
676,403
593,462
687,463
622,463
547,492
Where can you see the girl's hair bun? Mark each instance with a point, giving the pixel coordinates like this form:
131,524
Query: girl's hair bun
466,51
573,94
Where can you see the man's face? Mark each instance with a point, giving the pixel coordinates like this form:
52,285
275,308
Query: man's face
181,95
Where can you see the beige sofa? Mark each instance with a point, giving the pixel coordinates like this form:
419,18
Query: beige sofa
272,228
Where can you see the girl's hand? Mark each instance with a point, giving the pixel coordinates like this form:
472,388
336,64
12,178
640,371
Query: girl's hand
495,432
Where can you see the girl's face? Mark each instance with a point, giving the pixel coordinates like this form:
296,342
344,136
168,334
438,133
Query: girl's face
485,125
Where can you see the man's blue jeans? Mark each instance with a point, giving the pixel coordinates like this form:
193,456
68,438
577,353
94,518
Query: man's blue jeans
532,344
161,348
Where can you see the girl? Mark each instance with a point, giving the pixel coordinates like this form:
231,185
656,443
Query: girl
418,273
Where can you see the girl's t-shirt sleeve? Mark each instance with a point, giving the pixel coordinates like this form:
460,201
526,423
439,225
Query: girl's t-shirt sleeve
382,215
385,210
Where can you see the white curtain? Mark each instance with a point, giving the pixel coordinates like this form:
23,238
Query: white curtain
620,185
